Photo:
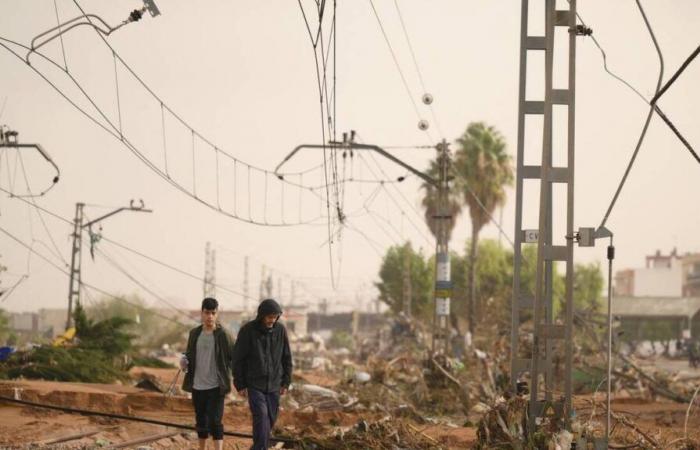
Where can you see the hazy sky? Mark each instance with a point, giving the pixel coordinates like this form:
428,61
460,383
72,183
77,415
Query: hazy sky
242,74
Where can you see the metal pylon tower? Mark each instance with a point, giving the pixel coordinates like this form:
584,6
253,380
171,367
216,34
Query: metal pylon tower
551,339
209,288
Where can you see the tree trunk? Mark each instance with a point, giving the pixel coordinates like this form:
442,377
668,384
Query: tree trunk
471,299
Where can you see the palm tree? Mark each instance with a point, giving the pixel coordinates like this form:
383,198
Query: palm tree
482,172
430,202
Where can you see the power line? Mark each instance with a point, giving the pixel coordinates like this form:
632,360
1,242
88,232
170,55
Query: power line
398,66
162,263
95,288
415,64
117,133
323,94
420,231
58,22
140,284
41,217
646,122
481,205
136,252
654,100
124,417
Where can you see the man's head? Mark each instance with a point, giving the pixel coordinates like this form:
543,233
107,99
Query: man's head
269,312
210,312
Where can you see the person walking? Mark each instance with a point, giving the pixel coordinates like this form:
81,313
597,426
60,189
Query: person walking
207,363
262,368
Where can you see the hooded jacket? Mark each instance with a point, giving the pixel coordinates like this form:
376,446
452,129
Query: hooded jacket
223,353
262,359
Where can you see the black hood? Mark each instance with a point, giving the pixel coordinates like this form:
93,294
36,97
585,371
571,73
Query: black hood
268,306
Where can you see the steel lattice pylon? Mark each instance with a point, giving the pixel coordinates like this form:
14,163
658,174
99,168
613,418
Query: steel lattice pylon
550,339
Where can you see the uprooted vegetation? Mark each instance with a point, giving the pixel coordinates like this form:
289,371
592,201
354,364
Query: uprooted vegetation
102,351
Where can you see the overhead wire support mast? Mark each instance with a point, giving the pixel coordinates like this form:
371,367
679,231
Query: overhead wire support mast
547,336
443,284
77,246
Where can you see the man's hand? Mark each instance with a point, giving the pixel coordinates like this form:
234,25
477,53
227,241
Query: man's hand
243,393
184,363
283,390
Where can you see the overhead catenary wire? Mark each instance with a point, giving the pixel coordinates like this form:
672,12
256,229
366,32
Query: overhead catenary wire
94,288
125,417
415,64
407,88
60,35
136,252
39,214
273,269
158,297
481,205
326,121
646,122
102,120
657,96
393,199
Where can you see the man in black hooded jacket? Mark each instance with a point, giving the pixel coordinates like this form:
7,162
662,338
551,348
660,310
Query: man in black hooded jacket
262,368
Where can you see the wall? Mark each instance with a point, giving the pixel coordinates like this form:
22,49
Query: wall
658,282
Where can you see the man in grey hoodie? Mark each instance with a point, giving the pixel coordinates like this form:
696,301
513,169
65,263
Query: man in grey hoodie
207,366
262,368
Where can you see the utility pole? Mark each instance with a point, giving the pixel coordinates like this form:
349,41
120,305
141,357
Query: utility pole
245,284
209,288
443,284
322,311
262,282
407,294
77,246
443,281
269,286
75,262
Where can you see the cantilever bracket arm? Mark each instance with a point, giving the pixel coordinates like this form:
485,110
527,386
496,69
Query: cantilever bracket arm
353,146
101,26
43,153
131,207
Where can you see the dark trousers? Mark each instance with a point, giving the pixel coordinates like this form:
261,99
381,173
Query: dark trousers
264,407
208,410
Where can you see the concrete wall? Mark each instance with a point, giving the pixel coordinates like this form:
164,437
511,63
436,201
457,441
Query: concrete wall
658,282
52,321
24,322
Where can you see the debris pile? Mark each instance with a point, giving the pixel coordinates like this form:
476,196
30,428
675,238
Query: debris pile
384,434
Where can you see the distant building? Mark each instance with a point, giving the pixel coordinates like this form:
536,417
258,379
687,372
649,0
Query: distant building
691,275
52,321
669,275
657,318
660,301
296,322
294,319
47,322
24,322
351,322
